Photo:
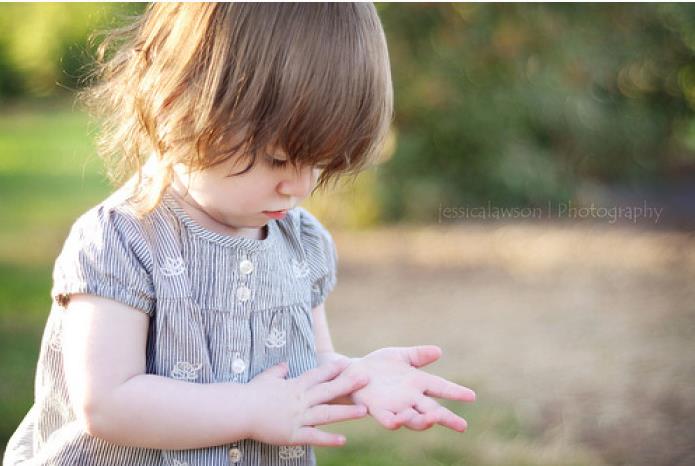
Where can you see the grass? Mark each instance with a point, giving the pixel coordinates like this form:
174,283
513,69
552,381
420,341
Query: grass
44,185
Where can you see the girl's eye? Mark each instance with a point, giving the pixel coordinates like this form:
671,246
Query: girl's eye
277,163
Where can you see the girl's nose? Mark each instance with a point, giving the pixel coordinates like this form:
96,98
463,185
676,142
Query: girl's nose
298,182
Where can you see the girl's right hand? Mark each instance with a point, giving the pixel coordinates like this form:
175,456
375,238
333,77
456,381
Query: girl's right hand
285,411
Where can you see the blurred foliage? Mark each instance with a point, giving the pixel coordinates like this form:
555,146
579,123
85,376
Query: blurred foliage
515,104
44,47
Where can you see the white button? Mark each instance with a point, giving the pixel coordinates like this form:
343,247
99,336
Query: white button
243,293
234,455
238,364
246,266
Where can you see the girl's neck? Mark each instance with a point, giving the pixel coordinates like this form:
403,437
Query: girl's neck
198,213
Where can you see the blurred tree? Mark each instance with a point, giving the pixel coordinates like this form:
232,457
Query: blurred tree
44,46
516,104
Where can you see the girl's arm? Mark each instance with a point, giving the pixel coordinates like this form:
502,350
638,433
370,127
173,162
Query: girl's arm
104,347
104,356
324,345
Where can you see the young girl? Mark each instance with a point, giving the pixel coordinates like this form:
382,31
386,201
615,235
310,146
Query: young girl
188,325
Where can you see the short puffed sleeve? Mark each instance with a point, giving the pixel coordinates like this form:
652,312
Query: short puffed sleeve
105,254
321,255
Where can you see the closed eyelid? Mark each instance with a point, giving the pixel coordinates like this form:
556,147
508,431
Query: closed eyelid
281,162
276,163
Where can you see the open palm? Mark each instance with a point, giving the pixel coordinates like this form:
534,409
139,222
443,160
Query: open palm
400,394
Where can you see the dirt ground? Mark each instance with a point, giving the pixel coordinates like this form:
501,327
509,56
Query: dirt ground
586,330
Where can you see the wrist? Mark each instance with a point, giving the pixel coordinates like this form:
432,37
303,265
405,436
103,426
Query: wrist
324,357
246,416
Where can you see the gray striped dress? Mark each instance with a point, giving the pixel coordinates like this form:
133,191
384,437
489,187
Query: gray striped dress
222,309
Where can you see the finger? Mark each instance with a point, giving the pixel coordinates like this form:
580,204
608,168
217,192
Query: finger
451,420
314,436
386,418
327,391
446,418
421,421
420,356
406,415
442,388
325,414
278,370
418,422
323,372
425,404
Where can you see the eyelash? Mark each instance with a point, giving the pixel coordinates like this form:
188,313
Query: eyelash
278,163
275,163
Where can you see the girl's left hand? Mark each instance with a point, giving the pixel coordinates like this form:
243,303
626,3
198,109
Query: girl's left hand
399,394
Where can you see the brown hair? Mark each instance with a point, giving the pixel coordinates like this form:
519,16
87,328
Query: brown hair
196,83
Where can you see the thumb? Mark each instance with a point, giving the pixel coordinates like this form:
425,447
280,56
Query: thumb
419,356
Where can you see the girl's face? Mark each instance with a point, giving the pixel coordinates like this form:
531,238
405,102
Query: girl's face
239,204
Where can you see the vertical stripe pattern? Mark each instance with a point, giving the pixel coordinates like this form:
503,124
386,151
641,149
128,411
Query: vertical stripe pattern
222,309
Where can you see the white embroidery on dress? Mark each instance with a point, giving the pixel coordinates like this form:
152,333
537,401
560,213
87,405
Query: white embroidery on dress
276,339
290,452
184,370
316,289
173,266
52,403
301,268
169,458
55,341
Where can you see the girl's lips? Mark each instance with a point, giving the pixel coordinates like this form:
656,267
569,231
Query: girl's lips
276,214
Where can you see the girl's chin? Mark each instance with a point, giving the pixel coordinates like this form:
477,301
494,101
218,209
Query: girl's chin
252,223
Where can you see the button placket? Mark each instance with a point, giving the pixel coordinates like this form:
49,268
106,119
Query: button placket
246,266
243,291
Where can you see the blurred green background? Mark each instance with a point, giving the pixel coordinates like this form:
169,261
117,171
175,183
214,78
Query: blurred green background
512,105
